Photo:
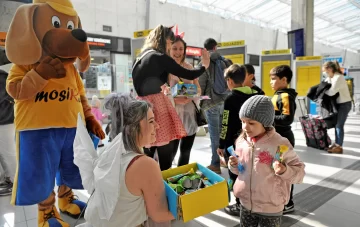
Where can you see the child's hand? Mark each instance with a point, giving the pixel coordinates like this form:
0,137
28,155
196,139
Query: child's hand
279,168
233,161
220,152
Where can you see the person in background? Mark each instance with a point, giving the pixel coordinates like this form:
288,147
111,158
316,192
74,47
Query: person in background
139,198
338,85
235,76
150,73
132,94
7,137
96,111
284,102
250,79
185,107
213,107
266,165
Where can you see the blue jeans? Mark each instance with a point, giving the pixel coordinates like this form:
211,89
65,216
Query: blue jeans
343,111
214,118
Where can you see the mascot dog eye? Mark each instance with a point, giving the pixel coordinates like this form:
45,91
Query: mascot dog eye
56,22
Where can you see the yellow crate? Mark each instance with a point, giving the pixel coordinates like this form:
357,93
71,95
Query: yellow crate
201,202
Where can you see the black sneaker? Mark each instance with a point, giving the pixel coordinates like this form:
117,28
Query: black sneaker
233,210
5,184
289,208
6,191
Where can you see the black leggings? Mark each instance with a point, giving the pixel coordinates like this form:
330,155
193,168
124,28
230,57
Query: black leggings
165,153
290,136
186,144
232,176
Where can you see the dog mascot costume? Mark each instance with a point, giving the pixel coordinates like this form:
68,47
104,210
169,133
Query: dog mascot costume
44,41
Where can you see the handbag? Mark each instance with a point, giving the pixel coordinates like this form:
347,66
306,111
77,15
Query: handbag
199,116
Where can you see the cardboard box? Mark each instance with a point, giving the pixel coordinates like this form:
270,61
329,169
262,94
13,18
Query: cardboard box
182,90
201,202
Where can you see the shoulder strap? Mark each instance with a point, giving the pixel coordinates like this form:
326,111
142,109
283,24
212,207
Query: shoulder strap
133,160
141,57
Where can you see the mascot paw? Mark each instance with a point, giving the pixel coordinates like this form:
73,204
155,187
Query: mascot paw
93,126
71,206
50,218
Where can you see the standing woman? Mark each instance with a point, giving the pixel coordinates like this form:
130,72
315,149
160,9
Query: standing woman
150,72
338,85
185,107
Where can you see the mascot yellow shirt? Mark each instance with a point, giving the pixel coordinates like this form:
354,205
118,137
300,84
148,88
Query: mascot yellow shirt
55,106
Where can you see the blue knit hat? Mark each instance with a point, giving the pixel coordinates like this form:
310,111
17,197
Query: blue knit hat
259,108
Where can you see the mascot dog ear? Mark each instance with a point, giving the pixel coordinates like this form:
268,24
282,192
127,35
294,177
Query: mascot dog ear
83,64
22,45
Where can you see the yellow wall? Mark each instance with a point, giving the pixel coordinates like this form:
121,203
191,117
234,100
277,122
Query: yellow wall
267,66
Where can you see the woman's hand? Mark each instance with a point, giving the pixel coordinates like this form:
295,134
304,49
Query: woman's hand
181,100
166,90
205,58
279,168
233,161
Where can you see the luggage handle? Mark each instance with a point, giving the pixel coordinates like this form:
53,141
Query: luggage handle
303,107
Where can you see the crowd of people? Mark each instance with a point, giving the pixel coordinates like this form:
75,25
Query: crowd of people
152,123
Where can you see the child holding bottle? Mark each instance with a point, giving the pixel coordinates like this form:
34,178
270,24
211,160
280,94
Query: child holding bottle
266,165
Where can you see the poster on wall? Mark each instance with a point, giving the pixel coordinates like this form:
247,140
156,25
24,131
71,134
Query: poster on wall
236,58
104,83
90,77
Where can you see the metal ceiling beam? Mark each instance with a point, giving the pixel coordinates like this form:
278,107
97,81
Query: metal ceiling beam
355,3
251,8
245,16
325,18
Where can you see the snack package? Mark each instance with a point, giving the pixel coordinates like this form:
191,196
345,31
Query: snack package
177,188
184,90
176,178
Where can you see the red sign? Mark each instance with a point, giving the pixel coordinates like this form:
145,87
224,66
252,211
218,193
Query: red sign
193,51
2,38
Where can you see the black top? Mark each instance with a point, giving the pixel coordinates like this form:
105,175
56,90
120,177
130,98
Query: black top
6,102
231,123
256,88
284,102
152,72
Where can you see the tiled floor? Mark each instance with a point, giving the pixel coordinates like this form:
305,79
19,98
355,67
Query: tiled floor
341,210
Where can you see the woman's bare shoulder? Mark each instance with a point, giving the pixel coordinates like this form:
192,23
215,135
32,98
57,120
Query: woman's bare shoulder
145,164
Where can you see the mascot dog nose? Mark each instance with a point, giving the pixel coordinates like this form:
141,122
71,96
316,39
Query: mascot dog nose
79,34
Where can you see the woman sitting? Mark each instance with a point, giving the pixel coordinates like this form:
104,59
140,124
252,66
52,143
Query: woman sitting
126,185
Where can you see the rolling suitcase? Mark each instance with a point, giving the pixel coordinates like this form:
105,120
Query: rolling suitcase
314,128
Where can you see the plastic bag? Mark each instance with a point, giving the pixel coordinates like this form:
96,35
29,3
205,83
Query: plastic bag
100,174
85,155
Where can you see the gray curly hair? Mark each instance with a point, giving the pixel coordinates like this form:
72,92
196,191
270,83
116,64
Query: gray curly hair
126,115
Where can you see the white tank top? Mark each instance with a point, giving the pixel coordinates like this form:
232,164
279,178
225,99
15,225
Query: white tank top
130,210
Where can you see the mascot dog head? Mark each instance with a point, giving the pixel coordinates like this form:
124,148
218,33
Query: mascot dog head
47,28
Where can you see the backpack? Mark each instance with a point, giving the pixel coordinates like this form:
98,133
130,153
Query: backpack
220,86
350,83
